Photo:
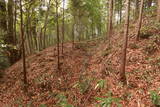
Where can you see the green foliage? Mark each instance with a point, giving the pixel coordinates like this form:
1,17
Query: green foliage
155,97
107,102
83,84
62,101
100,84
150,11
42,105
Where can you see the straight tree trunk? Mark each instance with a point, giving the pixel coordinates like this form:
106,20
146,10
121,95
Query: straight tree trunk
45,25
73,35
9,39
15,21
123,64
120,13
63,26
149,3
140,20
28,32
110,21
58,50
23,49
158,11
136,9
3,21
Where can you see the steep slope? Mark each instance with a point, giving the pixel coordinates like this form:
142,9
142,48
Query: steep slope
82,69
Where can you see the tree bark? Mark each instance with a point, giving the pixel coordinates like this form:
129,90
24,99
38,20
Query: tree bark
123,65
23,49
58,50
139,20
73,35
136,9
110,21
158,11
3,21
45,25
63,26
9,38
15,21
149,3
120,13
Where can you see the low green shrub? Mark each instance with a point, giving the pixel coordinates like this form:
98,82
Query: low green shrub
108,101
62,101
155,97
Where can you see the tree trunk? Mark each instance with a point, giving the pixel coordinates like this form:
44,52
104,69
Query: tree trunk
63,26
149,3
136,9
158,11
120,13
58,50
73,35
28,32
123,65
45,25
9,38
140,20
3,21
23,49
110,20
15,21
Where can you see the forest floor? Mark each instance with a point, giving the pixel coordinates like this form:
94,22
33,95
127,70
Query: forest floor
89,74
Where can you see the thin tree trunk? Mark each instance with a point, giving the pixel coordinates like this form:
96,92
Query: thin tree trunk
110,21
31,36
9,39
123,65
15,20
120,13
3,21
136,9
73,35
149,3
23,49
40,40
140,20
158,11
63,26
58,50
45,25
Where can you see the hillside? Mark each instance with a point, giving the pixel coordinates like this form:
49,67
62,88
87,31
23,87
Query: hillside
89,70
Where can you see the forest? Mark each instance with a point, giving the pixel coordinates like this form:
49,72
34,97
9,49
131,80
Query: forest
79,53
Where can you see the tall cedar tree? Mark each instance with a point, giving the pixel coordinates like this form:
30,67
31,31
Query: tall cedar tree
58,50
23,49
123,64
158,11
3,21
110,20
136,9
63,26
140,20
45,25
9,38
